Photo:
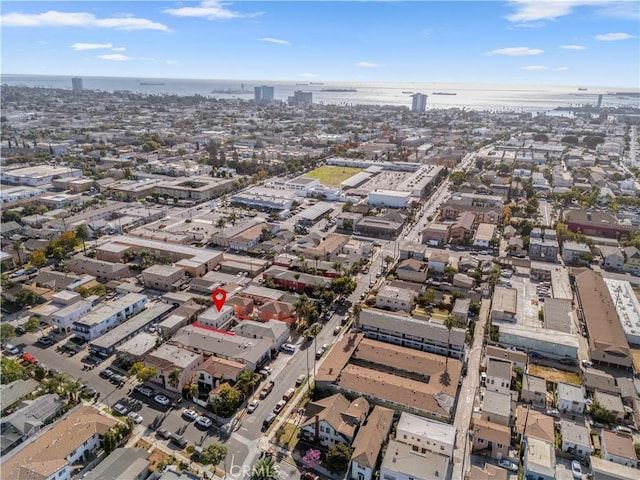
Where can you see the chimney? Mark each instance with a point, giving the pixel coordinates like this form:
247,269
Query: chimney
317,429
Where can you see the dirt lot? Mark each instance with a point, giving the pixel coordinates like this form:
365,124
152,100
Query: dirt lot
554,375
635,354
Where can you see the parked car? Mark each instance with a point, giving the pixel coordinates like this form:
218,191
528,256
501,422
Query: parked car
508,464
163,433
336,331
300,379
576,469
20,330
279,406
252,406
162,400
106,373
309,476
178,440
45,341
121,409
136,417
11,349
268,420
203,421
321,351
288,394
288,348
189,414
146,391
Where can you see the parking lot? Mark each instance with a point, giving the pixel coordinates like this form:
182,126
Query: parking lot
528,303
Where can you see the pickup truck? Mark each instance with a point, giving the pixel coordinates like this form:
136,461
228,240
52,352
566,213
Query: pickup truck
266,390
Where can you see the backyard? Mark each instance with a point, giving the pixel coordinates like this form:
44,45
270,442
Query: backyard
332,176
554,375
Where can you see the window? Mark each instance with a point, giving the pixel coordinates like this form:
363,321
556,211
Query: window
499,445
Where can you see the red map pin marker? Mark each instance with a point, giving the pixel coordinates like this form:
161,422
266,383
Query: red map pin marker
219,296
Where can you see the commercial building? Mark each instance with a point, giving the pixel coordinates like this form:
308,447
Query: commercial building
76,83
550,343
627,307
102,270
300,99
418,102
594,223
37,176
197,189
607,341
389,198
265,199
263,94
10,195
108,315
504,306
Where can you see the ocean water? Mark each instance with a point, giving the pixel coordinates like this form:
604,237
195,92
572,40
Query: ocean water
527,98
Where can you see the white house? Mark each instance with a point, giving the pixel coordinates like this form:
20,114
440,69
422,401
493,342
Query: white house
65,317
214,318
395,298
426,435
108,315
401,462
575,438
571,398
172,358
498,375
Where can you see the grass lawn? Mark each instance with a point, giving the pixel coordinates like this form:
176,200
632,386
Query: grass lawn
554,375
440,313
331,175
289,439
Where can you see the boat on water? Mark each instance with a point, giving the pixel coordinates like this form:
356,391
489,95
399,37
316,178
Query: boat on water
302,84
410,93
152,84
316,83
339,90
582,89
444,93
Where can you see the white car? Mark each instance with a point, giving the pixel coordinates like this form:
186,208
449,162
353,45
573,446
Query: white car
13,350
121,409
136,417
576,469
162,400
508,464
287,347
252,406
189,414
204,421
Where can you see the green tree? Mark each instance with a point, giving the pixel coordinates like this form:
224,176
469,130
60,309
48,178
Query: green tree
37,258
338,458
265,469
11,216
18,247
357,309
213,454
194,390
141,372
26,298
32,325
12,370
344,285
82,232
174,377
226,401
389,260
246,383
7,331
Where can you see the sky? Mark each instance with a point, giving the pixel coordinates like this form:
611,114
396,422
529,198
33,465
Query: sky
562,42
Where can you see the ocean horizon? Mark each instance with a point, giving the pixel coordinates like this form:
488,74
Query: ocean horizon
472,96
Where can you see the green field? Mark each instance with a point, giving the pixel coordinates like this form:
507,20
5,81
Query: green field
332,176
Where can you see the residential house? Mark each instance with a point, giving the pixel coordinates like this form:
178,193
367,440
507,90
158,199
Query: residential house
274,331
504,306
163,277
531,423
618,448
534,390
606,470
632,259
16,390
575,438
612,257
491,439
496,408
461,280
436,233
214,318
438,261
484,235
425,435
242,306
416,251
612,402
108,315
453,209
394,298
498,375
52,454
27,420
575,253
334,420
539,460
401,462
543,249
460,310
517,358
296,281
276,310
67,315
570,398
462,229
369,441
489,472
175,365
129,463
103,271
181,316
412,270
215,371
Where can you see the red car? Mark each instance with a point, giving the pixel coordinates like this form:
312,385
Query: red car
27,357
309,476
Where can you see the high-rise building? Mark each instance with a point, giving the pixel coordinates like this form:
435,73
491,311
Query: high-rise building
418,102
263,94
599,104
300,99
76,83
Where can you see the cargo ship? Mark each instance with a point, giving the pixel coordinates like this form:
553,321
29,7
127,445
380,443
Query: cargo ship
152,84
444,93
339,90
582,89
316,83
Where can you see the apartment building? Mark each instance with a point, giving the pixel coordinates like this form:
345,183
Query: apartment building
108,315
425,435
163,277
395,298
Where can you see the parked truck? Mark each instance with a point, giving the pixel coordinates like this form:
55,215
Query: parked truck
266,390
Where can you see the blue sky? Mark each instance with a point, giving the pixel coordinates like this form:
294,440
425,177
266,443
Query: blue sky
566,42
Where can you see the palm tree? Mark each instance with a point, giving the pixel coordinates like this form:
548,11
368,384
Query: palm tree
18,247
338,267
194,390
245,383
174,377
357,308
303,306
448,322
265,469
221,223
82,232
316,257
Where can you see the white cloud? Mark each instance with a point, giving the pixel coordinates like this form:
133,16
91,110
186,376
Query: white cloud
209,9
533,10
90,46
118,49
171,62
275,40
308,75
54,18
611,37
562,69
115,57
534,67
529,25
573,47
516,51
367,65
